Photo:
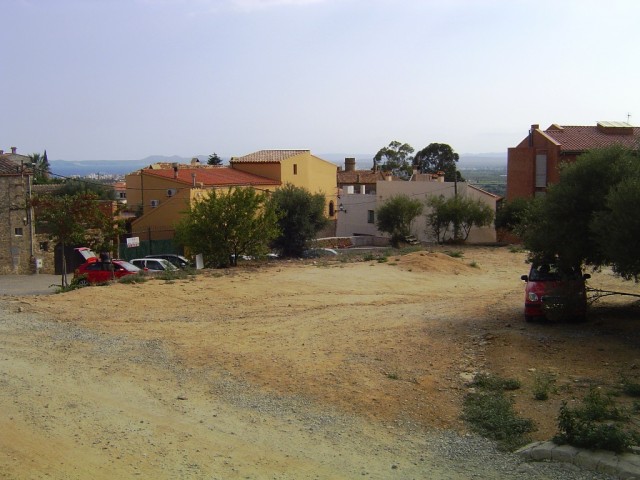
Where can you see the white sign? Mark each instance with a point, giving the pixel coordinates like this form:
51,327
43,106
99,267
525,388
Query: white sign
133,242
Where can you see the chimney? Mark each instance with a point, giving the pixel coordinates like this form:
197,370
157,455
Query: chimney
175,169
13,150
534,127
349,164
193,179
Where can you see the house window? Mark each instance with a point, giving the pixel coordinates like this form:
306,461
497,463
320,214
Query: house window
18,231
332,209
371,216
122,195
541,170
295,168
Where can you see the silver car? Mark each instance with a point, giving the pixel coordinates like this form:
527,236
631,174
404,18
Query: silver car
154,264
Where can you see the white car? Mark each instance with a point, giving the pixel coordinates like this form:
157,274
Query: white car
154,264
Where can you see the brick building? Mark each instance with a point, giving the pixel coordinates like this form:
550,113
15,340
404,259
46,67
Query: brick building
534,163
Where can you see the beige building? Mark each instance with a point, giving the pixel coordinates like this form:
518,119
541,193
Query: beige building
357,215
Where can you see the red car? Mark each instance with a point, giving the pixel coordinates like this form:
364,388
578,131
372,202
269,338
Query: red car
95,271
556,293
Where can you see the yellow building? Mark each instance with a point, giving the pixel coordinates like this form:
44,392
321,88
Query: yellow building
297,167
162,193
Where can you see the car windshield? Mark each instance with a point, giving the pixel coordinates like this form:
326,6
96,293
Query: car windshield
550,272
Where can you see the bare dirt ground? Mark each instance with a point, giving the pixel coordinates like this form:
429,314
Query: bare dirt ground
316,369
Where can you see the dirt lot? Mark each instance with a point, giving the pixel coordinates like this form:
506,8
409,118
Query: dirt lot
315,369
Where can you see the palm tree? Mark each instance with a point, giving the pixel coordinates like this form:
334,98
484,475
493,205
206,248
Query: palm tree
41,167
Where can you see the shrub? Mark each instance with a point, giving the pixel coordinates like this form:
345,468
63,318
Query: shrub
488,381
491,414
542,384
594,425
630,388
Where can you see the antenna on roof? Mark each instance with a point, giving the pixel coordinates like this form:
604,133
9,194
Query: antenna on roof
628,118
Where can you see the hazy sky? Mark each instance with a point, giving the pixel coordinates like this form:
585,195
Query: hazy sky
124,79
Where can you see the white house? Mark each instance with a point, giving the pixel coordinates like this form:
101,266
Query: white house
357,210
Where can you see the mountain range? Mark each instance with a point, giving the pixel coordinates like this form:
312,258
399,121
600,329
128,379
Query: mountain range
66,168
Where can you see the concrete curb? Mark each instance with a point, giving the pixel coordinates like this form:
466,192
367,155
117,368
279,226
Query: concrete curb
625,466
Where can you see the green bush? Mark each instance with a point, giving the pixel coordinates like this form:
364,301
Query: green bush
542,385
138,278
488,381
630,388
491,414
594,425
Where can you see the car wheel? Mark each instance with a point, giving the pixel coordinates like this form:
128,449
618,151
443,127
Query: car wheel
83,282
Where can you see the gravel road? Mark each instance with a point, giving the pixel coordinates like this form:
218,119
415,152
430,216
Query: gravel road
40,284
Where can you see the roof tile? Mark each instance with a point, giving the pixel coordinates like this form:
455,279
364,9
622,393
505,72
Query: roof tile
581,138
268,156
213,177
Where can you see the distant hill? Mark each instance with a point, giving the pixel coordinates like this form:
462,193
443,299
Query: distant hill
65,168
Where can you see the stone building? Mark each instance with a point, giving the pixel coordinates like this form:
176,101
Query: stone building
17,236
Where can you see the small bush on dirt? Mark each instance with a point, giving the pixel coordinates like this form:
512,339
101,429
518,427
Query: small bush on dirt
454,253
73,285
488,381
171,275
127,279
594,425
630,388
543,383
490,413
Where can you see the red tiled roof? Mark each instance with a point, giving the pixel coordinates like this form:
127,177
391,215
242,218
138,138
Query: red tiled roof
581,138
268,156
358,177
213,177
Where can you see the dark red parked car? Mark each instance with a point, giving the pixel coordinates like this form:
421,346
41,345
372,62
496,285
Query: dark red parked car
554,292
94,271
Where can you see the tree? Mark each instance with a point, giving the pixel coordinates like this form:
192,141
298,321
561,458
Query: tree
617,228
74,186
396,158
511,214
41,168
438,157
456,216
590,217
214,159
301,218
396,216
69,220
227,225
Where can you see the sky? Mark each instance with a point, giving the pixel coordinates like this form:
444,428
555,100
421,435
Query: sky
125,79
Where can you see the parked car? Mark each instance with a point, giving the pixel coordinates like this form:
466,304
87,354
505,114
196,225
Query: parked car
178,260
551,291
154,264
96,271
